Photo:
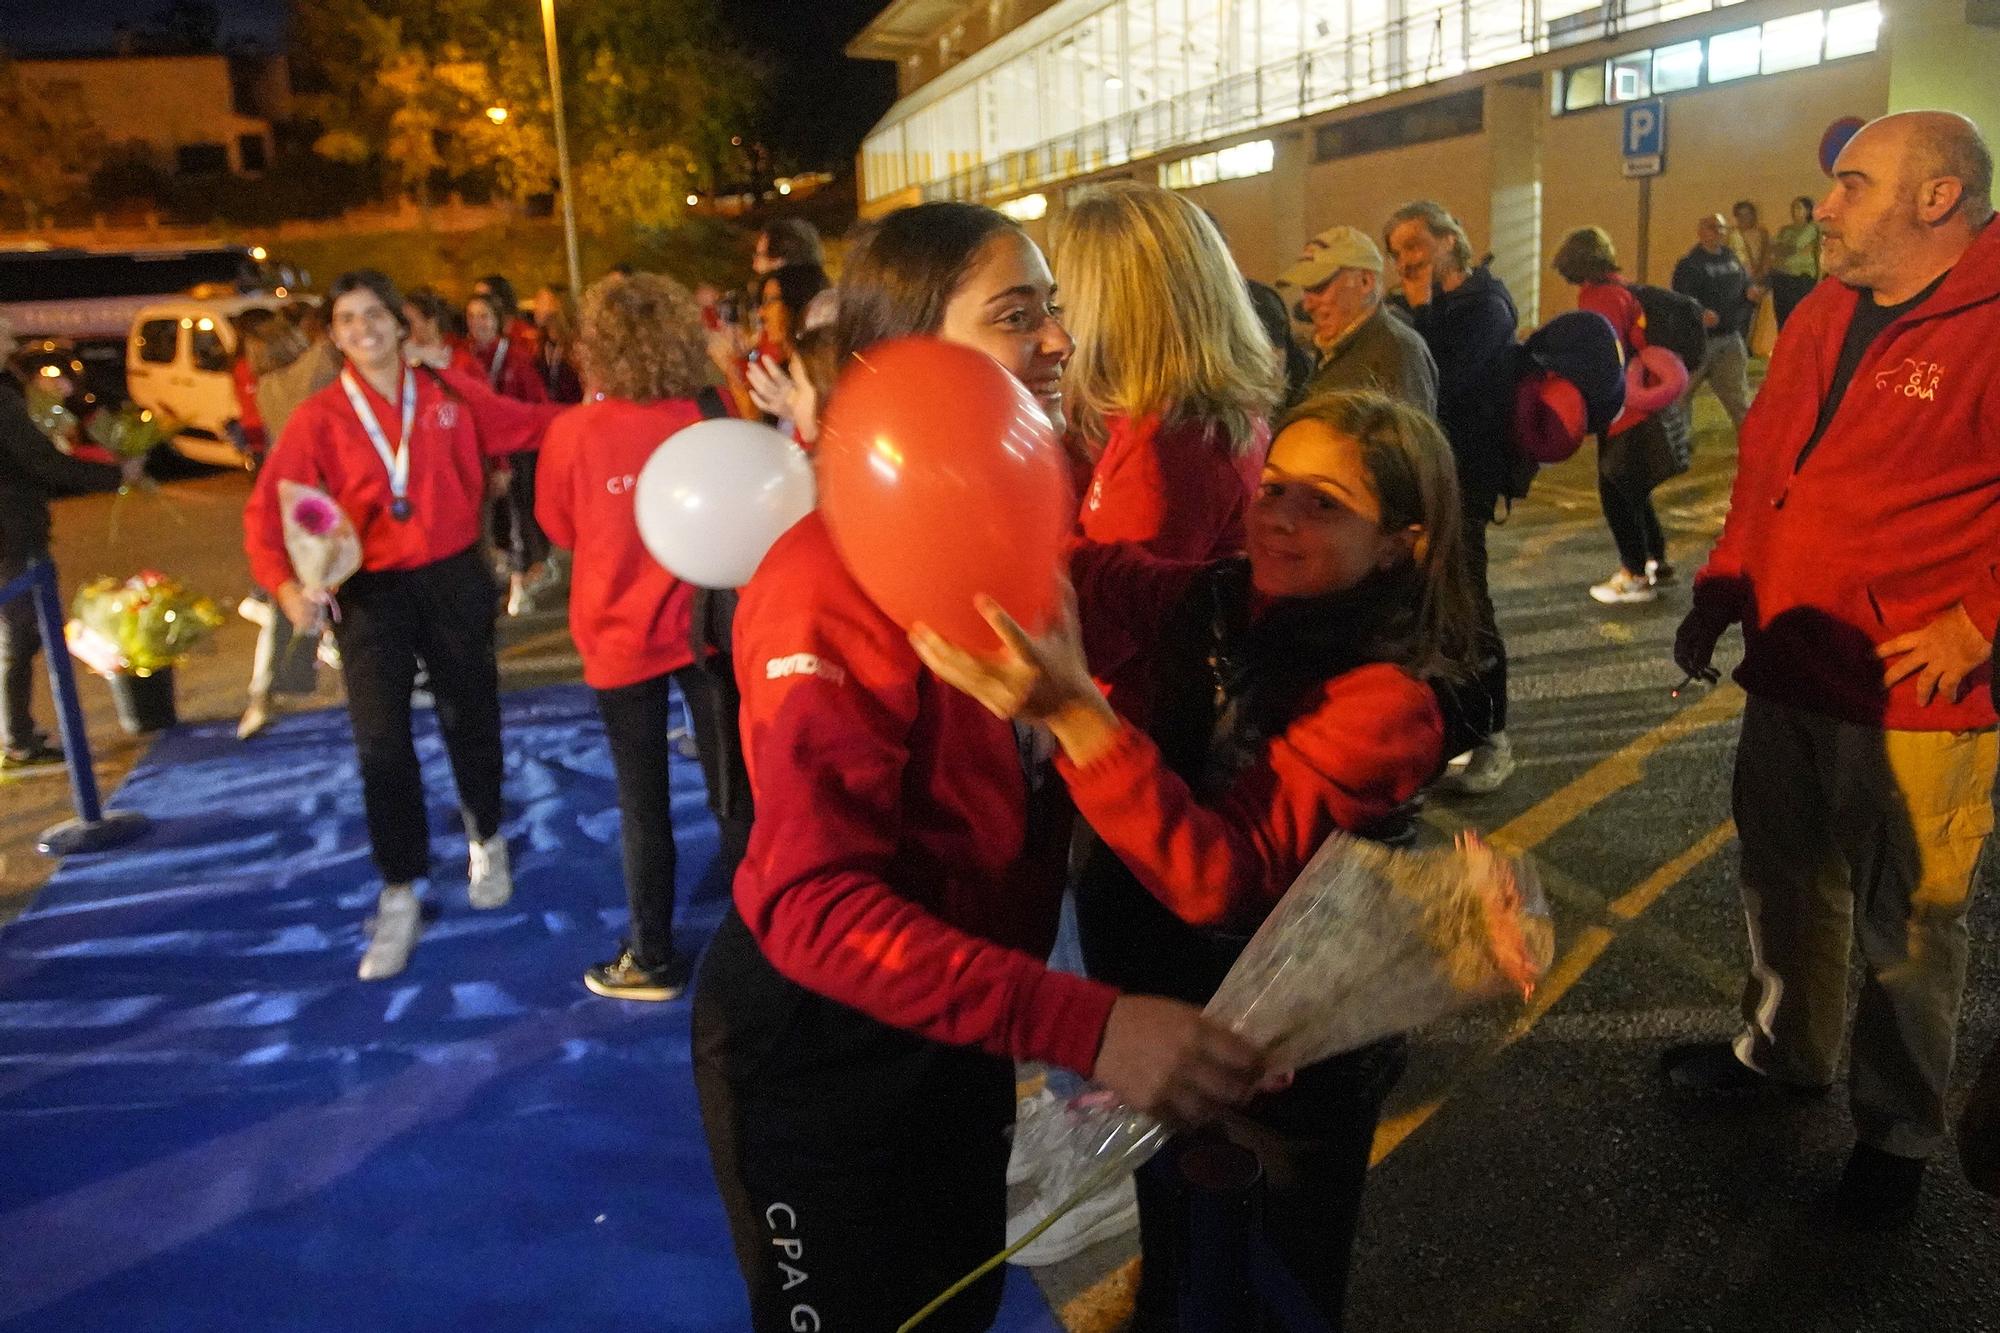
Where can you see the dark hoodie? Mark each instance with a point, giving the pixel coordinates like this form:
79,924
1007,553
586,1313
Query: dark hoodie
32,473
1470,332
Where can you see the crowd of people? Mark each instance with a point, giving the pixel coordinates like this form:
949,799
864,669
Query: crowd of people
1279,628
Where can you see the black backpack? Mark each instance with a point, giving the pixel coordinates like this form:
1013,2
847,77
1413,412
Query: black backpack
1673,321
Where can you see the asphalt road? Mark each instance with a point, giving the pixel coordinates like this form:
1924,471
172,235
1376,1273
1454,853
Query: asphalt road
1532,1174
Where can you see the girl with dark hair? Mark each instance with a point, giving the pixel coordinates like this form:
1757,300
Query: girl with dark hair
555,323
861,1005
434,339
1295,699
508,363
401,450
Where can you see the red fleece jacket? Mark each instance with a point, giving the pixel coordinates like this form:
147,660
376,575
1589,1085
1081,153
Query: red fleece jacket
459,423
1177,491
1892,520
1364,743
628,615
889,866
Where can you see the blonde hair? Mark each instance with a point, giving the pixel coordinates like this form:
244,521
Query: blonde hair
641,339
1162,321
1416,482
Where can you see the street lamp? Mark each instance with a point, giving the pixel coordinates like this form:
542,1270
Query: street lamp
562,149
497,114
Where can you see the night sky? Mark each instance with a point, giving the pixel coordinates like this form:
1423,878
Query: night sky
830,101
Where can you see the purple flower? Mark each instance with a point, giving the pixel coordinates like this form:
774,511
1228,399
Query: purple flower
316,515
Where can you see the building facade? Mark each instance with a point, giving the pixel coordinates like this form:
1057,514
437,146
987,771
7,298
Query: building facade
1283,117
192,115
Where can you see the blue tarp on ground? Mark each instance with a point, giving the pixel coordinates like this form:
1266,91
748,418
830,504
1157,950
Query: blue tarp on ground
206,1122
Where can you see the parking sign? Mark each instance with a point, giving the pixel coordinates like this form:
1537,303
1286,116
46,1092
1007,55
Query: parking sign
1644,145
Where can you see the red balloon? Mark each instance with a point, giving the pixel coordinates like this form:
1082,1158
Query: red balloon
940,479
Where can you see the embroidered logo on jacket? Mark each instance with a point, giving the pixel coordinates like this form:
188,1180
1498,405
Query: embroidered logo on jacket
1912,379
805,664
446,415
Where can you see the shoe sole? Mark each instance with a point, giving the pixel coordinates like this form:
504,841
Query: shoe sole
1623,598
650,994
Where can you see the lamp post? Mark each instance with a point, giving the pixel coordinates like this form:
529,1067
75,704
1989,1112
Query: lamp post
562,150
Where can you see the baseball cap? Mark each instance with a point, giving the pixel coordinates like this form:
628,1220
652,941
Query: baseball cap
1329,252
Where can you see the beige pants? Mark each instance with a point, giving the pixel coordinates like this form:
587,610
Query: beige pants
1853,833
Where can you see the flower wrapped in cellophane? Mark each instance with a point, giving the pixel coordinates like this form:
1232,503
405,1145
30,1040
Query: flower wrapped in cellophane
130,431
140,625
1368,942
320,539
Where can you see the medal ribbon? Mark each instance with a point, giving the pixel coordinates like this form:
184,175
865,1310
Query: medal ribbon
397,463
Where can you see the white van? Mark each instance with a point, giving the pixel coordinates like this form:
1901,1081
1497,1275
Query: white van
180,359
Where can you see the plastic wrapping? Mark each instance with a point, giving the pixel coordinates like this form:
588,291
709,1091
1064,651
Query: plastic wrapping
1368,942
139,625
319,538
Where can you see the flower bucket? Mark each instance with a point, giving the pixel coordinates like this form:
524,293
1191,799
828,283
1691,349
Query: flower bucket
145,703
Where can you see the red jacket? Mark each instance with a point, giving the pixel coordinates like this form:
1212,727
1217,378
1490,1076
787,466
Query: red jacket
628,615
1612,299
1368,741
1178,492
889,866
512,372
460,422
1892,520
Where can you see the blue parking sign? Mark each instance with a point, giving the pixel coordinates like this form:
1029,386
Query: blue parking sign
1644,145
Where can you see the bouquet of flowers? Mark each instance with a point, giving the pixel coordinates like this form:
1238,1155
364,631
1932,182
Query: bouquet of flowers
130,431
140,625
51,414
320,539
1368,942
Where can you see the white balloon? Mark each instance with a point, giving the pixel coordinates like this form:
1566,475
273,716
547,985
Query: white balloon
715,496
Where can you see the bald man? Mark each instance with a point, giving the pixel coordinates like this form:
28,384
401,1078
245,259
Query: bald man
1861,556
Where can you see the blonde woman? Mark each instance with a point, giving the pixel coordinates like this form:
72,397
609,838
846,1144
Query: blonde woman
645,362
1171,385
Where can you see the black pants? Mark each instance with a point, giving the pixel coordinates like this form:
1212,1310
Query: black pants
1635,526
1477,708
1313,1142
863,1168
1787,290
1312,1139
440,615
20,640
637,719
525,542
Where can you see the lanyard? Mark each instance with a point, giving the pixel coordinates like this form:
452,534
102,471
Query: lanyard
497,364
397,463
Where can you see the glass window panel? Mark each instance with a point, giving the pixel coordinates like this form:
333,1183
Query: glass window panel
1793,42
1500,33
1584,87
1631,78
1852,30
1677,67
1734,55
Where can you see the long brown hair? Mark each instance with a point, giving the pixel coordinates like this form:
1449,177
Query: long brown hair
1416,482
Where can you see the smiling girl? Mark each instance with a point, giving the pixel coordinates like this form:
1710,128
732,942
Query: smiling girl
1294,699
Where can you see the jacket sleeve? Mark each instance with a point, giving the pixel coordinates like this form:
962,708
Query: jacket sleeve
829,748
291,459
35,457
1419,377
1371,741
505,425
1124,594
555,488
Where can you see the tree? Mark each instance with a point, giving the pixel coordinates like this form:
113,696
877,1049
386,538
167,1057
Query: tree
48,143
456,87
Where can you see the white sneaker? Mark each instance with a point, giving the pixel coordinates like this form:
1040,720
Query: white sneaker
398,921
255,718
1623,589
1659,572
1038,1126
492,878
1109,1212
520,597
329,652
1490,764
